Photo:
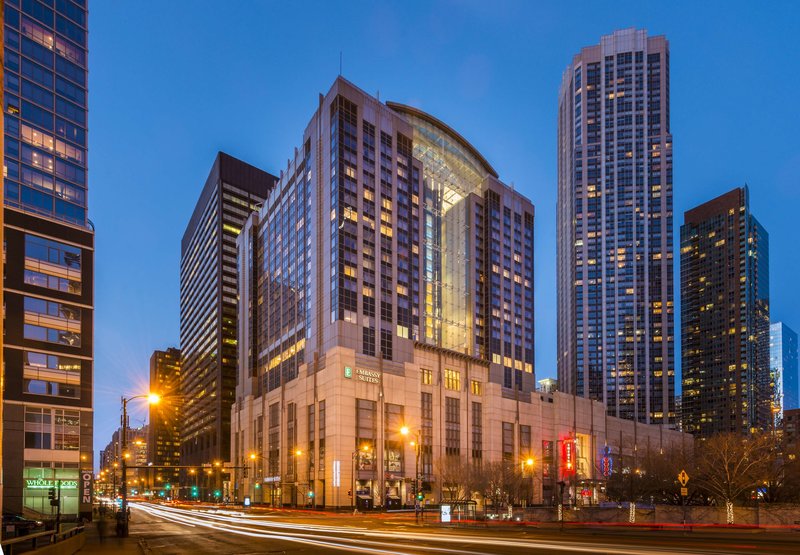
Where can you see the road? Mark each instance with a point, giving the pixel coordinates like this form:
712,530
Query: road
170,530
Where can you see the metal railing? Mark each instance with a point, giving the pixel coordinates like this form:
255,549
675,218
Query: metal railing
39,539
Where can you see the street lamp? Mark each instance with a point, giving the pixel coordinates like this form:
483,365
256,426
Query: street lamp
153,399
417,448
297,454
529,462
356,455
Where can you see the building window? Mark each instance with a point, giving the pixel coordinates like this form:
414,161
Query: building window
452,379
311,435
291,438
322,436
427,434
525,444
274,439
52,429
366,431
368,337
52,322
394,420
38,428
57,376
476,387
452,426
508,441
52,252
426,375
386,344
477,431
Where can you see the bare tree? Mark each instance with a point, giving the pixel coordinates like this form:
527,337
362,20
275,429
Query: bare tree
501,483
730,465
458,478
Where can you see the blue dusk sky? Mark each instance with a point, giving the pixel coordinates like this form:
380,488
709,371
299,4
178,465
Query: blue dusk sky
173,82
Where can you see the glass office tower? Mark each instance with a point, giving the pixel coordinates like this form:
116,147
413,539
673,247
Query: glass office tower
783,366
725,318
49,257
614,228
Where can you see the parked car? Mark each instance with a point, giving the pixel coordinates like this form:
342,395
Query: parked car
21,524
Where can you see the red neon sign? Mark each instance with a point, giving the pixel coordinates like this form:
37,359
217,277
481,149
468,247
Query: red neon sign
569,457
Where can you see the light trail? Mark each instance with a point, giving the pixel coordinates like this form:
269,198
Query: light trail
364,540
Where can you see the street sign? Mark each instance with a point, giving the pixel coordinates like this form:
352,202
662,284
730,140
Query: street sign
683,478
684,492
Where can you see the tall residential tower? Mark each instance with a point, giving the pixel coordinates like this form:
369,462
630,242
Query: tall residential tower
725,318
208,297
48,241
614,228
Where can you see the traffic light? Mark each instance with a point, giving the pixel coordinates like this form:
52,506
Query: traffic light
310,494
167,486
217,493
51,494
194,491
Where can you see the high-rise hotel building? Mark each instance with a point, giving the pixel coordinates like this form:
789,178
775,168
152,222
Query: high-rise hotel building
725,318
614,228
208,297
48,257
387,281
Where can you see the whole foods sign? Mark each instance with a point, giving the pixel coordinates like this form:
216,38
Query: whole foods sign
40,483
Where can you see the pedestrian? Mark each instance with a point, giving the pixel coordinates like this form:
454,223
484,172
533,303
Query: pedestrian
102,528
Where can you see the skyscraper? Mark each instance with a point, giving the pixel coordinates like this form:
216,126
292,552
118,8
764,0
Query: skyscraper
614,228
49,258
783,366
164,437
725,318
208,296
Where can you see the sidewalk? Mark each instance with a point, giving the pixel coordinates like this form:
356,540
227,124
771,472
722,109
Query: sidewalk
111,543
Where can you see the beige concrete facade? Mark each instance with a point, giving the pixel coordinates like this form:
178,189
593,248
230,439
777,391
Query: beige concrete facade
557,418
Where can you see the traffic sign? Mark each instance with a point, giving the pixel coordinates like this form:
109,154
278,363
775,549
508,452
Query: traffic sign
684,492
683,478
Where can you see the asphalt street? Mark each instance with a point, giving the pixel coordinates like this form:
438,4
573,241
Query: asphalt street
172,530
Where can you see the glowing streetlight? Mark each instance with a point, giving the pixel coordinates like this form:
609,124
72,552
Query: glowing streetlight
152,398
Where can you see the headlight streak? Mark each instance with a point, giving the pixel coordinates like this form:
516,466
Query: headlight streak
243,526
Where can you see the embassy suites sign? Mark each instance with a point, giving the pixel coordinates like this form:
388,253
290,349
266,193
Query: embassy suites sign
369,376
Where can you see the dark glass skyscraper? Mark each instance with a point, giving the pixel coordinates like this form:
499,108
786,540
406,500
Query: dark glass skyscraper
208,297
725,318
614,230
49,256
